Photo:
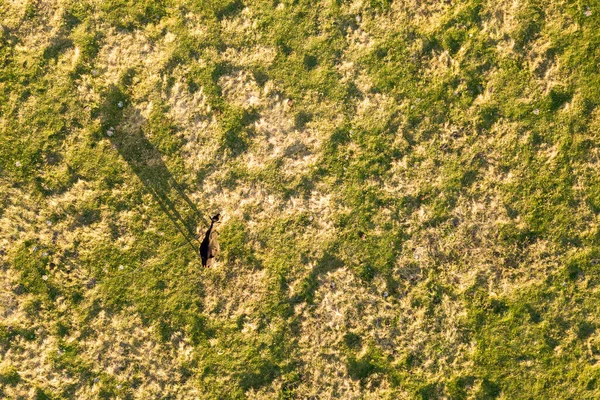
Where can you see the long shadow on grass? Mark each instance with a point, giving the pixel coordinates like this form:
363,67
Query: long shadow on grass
146,162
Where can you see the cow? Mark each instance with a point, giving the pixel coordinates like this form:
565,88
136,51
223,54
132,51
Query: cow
209,248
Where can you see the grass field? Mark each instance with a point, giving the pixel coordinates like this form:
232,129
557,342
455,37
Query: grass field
410,194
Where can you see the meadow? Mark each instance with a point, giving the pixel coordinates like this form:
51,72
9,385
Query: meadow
410,196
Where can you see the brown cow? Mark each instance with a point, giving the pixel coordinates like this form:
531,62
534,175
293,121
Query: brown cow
209,247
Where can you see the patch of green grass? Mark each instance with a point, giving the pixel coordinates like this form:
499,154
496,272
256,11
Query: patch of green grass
41,394
87,40
130,15
31,261
362,368
526,336
352,340
391,66
457,387
162,131
206,77
9,375
237,128
529,23
235,241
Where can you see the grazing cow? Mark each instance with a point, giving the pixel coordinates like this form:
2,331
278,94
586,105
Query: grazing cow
209,247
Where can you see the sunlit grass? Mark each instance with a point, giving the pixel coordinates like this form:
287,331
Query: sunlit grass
410,199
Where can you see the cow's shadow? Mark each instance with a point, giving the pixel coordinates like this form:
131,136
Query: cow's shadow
146,161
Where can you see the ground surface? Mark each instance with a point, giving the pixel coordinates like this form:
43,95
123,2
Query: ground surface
410,192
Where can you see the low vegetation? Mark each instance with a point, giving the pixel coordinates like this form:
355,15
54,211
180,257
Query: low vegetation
409,193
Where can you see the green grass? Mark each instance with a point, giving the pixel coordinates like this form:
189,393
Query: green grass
456,146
